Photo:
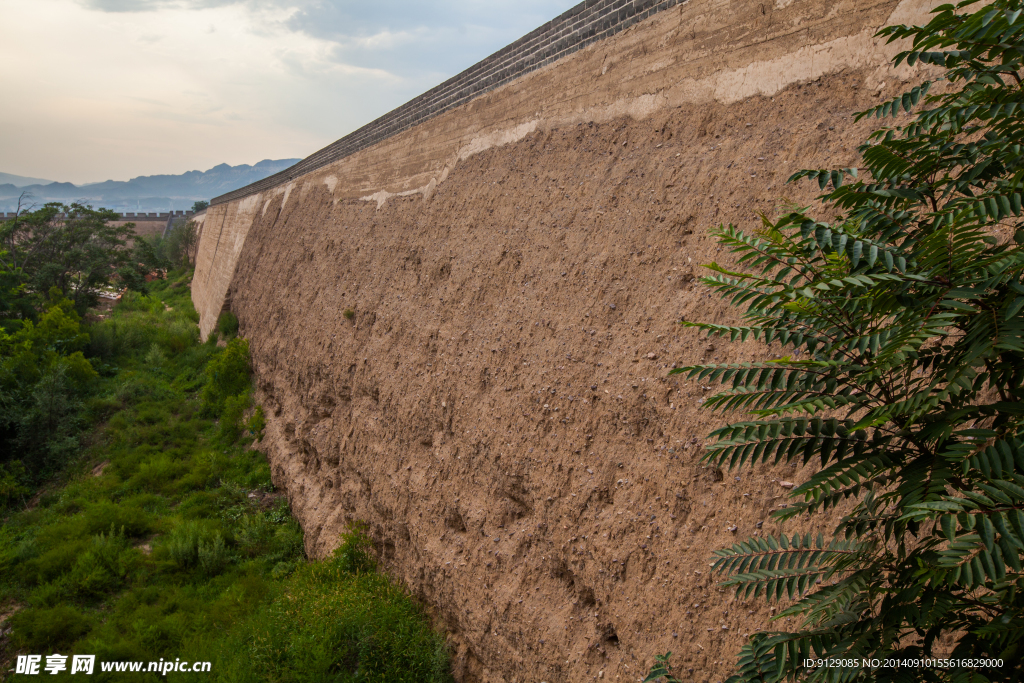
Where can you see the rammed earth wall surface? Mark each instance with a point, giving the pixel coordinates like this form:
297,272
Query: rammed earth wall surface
498,408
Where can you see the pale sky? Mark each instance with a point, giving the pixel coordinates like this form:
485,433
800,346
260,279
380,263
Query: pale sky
112,89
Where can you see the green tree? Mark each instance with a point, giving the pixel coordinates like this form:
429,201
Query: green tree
179,247
43,375
904,385
72,247
200,206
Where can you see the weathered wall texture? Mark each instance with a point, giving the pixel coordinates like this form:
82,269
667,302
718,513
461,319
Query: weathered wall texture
222,234
498,409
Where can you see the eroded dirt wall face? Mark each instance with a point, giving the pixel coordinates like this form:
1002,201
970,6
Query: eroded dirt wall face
498,407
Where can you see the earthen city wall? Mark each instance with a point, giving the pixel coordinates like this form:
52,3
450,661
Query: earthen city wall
497,406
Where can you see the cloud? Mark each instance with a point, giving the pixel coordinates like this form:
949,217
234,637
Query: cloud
414,38
153,5
139,87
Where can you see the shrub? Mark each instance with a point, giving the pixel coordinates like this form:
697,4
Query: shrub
252,534
181,334
103,343
354,555
54,562
227,325
906,313
182,544
49,424
49,630
226,375
231,417
137,301
43,377
128,517
212,555
13,479
155,357
335,624
257,423
157,475
179,246
104,567
282,569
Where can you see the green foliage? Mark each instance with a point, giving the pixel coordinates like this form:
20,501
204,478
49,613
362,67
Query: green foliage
227,325
13,483
178,545
661,669
213,555
354,554
335,623
43,378
103,568
178,247
182,544
71,247
226,375
191,545
349,314
232,415
200,206
905,385
50,630
257,423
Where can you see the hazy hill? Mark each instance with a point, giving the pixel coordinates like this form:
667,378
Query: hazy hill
20,180
144,193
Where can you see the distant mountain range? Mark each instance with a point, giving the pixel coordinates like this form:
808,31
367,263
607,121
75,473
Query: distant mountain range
21,181
145,193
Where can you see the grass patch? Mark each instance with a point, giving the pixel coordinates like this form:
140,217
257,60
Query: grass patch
178,546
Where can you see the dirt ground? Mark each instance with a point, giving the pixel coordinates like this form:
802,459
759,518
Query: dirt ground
499,409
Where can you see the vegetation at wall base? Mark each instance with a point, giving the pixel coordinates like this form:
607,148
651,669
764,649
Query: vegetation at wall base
177,248
905,384
227,325
160,533
49,363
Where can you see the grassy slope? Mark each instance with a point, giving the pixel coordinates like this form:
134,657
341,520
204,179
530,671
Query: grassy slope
176,546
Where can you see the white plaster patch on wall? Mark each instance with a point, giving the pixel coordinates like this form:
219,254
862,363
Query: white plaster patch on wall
428,191
497,138
638,108
382,196
331,182
308,184
809,63
287,191
249,204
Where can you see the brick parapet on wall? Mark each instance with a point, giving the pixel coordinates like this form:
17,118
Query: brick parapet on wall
127,216
578,27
